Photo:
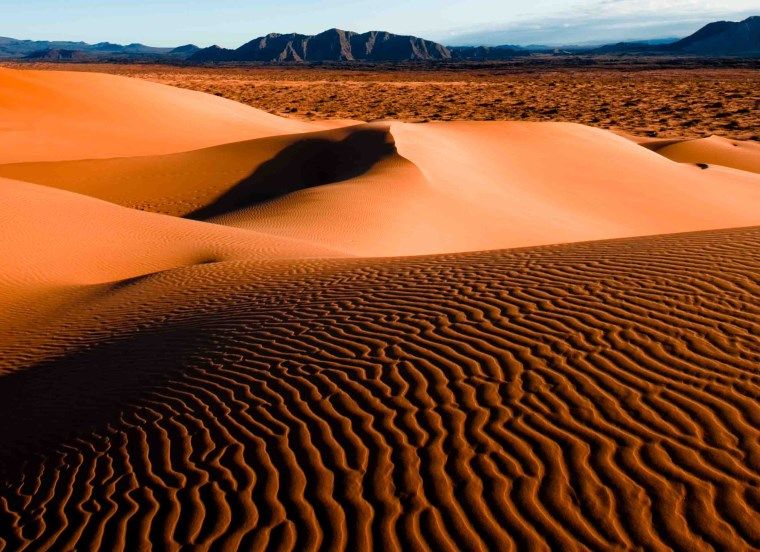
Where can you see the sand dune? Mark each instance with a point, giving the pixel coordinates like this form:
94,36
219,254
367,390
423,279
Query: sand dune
182,183
400,189
54,241
56,115
560,179
73,239
237,337
743,155
590,396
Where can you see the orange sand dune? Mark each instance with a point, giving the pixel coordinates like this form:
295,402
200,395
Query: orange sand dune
268,361
55,115
181,183
715,150
596,395
744,155
74,239
402,189
53,240
56,245
569,180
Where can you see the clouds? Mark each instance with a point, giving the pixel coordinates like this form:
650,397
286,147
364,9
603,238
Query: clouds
622,7
232,22
605,21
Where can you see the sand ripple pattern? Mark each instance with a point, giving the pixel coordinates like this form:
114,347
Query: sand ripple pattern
599,396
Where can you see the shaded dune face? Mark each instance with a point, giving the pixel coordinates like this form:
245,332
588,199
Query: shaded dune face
599,395
304,164
271,357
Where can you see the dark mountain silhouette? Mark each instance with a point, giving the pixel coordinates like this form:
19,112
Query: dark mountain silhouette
723,38
60,54
720,38
134,48
187,49
212,53
82,51
639,46
14,48
487,53
330,45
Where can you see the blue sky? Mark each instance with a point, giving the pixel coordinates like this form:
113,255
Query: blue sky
232,22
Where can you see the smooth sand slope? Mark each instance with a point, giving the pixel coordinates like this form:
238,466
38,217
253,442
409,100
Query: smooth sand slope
400,189
58,237
254,365
54,242
55,115
713,151
590,396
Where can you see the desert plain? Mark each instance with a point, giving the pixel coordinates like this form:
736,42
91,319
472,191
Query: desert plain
300,309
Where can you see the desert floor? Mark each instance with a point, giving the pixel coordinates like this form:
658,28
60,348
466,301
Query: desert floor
225,329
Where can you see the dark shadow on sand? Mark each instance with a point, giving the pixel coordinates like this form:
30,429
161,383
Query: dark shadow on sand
305,164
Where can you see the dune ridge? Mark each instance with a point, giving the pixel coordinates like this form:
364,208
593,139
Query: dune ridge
303,338
60,115
386,189
715,150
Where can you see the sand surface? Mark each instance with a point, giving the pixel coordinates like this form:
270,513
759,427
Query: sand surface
392,188
363,336
713,150
55,115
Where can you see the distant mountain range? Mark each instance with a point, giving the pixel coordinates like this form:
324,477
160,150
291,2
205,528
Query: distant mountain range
11,48
330,45
724,38
721,38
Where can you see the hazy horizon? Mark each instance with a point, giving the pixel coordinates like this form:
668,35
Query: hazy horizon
230,23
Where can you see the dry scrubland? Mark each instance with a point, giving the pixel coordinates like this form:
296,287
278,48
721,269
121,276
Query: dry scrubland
642,100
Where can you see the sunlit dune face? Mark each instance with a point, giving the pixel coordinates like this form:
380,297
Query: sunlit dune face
46,117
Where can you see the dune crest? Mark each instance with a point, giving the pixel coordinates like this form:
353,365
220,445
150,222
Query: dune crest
58,115
386,189
742,155
54,242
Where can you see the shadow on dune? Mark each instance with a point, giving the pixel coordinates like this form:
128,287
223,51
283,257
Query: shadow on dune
302,165
46,405
657,145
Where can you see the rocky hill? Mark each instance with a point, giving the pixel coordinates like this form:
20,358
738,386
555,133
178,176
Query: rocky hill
330,45
723,38
720,38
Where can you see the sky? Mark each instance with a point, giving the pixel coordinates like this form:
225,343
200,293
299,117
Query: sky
231,23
